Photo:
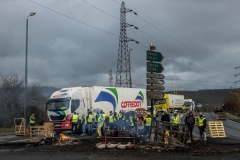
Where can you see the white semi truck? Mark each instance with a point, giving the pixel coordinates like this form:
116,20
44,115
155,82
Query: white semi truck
63,103
189,104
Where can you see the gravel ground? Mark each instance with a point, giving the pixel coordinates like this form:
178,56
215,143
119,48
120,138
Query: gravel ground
86,150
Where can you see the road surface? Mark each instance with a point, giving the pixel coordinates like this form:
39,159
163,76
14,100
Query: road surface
232,129
13,139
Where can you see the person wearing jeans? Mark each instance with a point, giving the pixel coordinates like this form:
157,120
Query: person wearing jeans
201,126
90,120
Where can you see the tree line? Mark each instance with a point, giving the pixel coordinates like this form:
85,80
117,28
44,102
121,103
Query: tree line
12,92
232,103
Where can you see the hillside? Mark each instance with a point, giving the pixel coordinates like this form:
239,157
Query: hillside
210,97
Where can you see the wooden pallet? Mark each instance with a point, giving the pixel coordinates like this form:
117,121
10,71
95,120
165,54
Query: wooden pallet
216,129
20,129
36,133
222,116
48,129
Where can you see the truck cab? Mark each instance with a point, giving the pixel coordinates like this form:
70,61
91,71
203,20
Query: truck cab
62,104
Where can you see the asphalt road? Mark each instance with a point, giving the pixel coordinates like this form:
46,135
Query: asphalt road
13,139
232,129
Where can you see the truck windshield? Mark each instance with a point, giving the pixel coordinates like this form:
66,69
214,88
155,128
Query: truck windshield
160,101
58,104
187,103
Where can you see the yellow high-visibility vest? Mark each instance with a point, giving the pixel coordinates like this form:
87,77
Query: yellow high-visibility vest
200,121
74,118
175,120
90,118
148,121
111,118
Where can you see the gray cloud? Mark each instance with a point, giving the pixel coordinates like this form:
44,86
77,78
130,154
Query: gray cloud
201,38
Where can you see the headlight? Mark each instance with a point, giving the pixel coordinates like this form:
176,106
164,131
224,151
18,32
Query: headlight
66,125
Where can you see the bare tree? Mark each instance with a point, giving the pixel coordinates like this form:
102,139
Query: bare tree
12,98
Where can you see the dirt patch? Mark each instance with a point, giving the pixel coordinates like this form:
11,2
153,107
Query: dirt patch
87,147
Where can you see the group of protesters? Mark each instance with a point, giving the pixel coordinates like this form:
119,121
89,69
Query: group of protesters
137,125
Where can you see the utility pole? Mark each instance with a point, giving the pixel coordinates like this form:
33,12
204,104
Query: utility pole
26,62
110,77
123,63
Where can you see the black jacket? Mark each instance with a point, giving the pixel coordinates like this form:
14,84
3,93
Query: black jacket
165,117
190,119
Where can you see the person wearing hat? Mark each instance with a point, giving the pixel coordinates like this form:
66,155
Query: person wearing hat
175,121
84,123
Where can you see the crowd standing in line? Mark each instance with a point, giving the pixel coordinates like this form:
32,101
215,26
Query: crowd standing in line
139,126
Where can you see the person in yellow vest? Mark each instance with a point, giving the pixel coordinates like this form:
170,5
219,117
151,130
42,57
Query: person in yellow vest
32,121
175,121
84,123
104,124
111,122
147,125
74,121
124,121
131,124
120,120
100,123
202,123
183,108
90,120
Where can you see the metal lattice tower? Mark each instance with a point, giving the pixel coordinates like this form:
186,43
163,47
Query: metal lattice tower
123,63
110,78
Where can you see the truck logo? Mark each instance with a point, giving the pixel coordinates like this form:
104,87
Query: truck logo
113,97
105,96
134,104
60,95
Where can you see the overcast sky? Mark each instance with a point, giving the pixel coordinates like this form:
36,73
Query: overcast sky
75,43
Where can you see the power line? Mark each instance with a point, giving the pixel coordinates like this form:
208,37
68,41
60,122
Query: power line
159,41
178,35
74,19
110,32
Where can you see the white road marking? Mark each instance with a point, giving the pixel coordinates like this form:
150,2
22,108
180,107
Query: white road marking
4,137
20,140
233,121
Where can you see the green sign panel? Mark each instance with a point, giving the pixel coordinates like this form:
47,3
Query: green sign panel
154,56
154,67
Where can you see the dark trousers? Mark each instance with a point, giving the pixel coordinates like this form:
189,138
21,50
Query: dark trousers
32,124
190,129
147,130
111,126
201,131
74,127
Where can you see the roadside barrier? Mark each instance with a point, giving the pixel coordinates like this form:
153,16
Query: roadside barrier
215,129
19,126
222,116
